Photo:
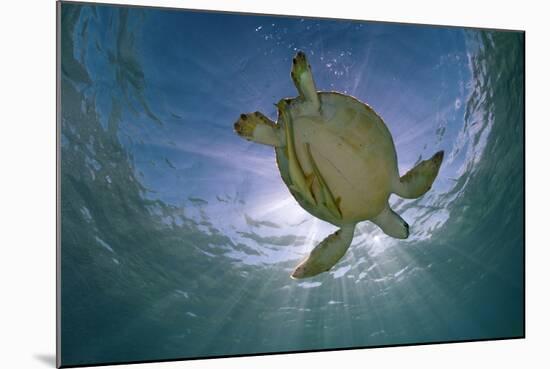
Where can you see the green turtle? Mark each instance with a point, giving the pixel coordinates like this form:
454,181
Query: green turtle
338,159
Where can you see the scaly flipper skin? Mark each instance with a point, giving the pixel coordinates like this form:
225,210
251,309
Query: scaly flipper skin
391,223
303,80
326,254
300,182
327,199
417,181
259,128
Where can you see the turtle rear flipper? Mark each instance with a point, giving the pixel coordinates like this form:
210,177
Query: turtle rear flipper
303,79
259,128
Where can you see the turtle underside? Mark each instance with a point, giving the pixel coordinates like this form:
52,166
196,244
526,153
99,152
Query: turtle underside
351,148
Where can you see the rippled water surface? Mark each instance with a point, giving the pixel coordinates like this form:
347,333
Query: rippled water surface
178,237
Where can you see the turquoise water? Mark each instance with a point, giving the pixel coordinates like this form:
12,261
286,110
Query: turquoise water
178,237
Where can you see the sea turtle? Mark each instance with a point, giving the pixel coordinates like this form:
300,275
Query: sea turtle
338,160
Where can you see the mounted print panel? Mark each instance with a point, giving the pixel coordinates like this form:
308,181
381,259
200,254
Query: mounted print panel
243,184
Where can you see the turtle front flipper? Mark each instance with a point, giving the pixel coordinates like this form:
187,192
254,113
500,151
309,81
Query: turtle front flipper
303,79
326,254
417,181
259,128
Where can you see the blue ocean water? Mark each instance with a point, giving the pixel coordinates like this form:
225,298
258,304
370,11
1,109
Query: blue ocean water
178,237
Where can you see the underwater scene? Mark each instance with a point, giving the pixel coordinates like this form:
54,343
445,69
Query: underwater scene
178,237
